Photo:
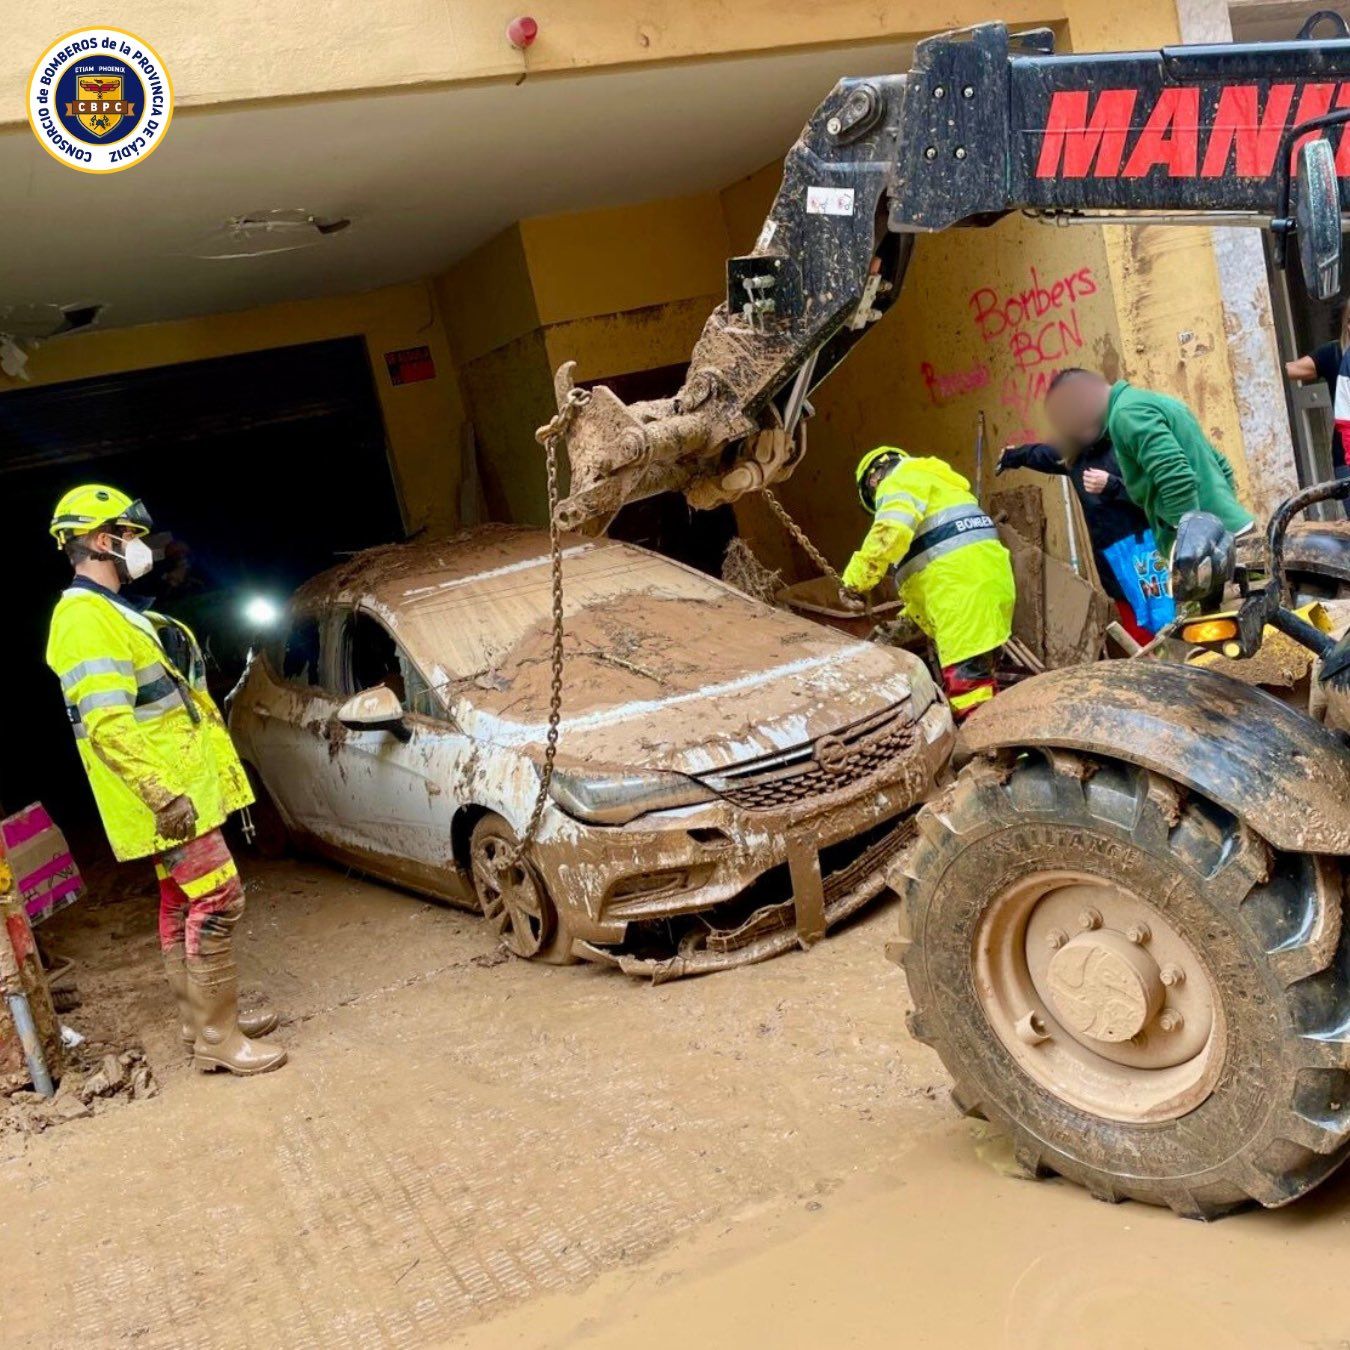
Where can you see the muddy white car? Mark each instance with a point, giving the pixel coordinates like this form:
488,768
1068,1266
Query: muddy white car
731,780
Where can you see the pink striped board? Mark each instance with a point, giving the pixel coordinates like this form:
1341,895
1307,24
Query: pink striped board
45,874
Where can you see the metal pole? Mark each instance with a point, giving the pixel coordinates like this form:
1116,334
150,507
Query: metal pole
979,459
1074,559
22,1014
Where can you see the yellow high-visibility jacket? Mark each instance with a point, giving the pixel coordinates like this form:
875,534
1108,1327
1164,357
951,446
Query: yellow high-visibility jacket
147,730
953,574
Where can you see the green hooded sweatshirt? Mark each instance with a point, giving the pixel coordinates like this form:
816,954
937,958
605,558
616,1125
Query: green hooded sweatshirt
1167,464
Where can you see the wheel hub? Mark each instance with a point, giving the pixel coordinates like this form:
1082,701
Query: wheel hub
1099,997
1104,987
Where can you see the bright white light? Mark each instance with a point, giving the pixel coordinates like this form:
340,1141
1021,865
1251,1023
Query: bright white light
261,612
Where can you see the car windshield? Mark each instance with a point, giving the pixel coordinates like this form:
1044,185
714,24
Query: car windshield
463,626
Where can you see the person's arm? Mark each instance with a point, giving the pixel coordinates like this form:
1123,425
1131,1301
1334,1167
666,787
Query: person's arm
1114,489
1341,405
1150,440
901,504
92,657
1303,369
1039,458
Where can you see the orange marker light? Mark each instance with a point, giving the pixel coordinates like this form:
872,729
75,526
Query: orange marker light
1209,630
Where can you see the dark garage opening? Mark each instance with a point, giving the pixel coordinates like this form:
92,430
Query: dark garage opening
266,467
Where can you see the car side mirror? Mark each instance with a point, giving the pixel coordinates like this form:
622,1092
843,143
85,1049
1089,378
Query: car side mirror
1317,219
377,709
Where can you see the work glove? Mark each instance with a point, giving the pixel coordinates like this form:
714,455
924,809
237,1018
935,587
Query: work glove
176,819
1013,457
852,601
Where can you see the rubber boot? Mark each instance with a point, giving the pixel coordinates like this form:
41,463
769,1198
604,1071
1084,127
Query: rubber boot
252,1024
213,990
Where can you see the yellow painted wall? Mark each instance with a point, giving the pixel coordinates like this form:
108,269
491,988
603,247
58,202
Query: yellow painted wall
488,298
616,291
423,421
264,49
1166,279
630,257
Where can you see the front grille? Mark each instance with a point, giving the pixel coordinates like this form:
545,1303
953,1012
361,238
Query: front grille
784,780
879,846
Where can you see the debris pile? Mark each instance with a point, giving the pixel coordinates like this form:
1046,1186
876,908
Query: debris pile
95,1079
741,569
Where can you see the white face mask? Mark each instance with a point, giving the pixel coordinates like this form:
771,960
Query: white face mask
137,558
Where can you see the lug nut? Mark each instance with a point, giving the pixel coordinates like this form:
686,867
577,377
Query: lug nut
833,125
1056,938
1171,975
1089,919
1170,1020
1031,1029
1138,933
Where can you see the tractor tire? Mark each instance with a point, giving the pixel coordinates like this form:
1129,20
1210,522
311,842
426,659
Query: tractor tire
1127,980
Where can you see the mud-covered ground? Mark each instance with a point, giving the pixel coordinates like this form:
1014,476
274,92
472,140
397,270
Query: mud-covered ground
471,1151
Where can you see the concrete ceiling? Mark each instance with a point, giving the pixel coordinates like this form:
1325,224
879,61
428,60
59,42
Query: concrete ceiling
425,176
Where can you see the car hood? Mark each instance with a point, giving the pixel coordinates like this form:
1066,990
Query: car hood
685,685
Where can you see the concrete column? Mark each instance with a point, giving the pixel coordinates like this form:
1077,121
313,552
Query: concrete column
1258,376
1193,304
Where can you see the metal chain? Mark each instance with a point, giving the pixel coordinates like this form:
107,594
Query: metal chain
550,437
799,535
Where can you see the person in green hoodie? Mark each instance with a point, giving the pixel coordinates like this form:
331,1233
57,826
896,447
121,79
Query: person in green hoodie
1166,462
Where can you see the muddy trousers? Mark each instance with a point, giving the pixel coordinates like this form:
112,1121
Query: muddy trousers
201,898
970,683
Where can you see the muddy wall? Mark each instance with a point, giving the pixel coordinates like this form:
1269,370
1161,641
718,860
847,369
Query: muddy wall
424,421
985,319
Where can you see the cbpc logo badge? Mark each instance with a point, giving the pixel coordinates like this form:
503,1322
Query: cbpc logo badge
100,100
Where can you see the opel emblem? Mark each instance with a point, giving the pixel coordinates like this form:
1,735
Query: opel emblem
832,754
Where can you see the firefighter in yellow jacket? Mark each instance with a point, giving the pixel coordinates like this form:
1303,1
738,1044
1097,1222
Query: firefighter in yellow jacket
953,575
161,764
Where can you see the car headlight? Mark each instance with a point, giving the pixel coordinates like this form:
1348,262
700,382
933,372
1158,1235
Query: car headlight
616,798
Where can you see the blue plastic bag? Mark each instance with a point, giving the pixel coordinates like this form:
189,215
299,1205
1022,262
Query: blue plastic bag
1144,579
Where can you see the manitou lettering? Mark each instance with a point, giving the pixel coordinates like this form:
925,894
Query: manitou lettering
1184,133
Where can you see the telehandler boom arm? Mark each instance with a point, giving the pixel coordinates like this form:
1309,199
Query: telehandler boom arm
986,123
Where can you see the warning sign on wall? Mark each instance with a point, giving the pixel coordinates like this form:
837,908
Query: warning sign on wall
410,365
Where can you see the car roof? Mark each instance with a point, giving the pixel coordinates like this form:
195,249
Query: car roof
393,574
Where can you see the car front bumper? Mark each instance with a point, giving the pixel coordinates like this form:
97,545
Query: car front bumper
719,885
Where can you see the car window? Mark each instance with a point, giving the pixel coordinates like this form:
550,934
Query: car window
300,654
371,657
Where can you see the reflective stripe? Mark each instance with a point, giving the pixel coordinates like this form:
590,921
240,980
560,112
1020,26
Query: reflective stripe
100,665
968,700
950,516
200,886
944,532
147,712
80,733
901,496
942,549
902,515
149,674
105,698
